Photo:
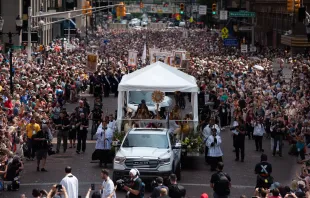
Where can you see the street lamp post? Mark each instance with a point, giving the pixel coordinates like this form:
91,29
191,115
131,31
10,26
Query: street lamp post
19,24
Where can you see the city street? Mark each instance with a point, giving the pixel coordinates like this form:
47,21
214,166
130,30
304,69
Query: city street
195,174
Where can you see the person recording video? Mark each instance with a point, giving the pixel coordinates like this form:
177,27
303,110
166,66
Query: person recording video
135,189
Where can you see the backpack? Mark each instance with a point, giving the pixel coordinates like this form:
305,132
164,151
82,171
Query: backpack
142,189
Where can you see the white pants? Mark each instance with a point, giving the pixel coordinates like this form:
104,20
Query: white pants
272,145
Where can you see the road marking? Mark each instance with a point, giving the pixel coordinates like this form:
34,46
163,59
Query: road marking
89,183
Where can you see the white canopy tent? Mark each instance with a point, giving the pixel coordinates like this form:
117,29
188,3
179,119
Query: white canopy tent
158,76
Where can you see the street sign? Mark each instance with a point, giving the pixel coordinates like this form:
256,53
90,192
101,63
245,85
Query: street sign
231,42
17,47
245,28
252,49
223,15
224,30
244,48
225,33
195,8
202,10
242,14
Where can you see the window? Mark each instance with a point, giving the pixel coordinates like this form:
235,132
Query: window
146,140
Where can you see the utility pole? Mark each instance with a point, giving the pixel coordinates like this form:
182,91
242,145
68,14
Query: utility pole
29,33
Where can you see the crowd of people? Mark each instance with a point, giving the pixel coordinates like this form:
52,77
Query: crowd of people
255,102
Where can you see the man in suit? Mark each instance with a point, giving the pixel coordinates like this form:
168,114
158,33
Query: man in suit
106,85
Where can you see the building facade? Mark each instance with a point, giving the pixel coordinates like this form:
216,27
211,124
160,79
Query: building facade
9,10
273,20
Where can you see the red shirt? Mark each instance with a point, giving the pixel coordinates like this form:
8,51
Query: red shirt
8,104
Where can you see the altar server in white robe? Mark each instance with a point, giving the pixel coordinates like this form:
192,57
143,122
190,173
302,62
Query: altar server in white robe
207,132
214,150
104,136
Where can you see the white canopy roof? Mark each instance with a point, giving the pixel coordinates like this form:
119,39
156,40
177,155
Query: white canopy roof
158,76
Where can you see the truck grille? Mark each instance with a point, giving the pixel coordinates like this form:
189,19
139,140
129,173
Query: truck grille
141,163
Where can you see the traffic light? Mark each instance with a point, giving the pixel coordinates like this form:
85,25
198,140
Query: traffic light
296,5
290,6
182,8
214,8
141,5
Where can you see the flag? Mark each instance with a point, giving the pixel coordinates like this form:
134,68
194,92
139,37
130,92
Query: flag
144,54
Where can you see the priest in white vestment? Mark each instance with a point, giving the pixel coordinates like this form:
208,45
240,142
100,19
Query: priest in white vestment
207,132
214,150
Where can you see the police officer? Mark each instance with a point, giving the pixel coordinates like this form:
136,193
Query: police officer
263,171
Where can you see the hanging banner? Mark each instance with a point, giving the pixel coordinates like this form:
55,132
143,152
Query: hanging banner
179,55
163,57
132,58
92,61
152,54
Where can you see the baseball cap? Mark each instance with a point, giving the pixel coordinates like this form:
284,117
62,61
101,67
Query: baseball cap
204,195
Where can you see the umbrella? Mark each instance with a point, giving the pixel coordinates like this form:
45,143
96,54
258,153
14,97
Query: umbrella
255,58
258,67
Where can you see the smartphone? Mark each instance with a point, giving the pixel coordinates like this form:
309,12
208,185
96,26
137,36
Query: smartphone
59,187
92,186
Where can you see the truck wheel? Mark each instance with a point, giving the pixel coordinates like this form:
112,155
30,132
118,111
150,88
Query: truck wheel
178,172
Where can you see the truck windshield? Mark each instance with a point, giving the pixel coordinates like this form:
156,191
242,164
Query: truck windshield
146,140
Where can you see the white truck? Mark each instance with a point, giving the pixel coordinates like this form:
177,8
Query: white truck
152,151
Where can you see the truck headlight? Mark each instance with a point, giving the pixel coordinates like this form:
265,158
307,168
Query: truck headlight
119,160
164,161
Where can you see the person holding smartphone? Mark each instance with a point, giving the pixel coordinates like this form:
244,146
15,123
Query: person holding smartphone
58,191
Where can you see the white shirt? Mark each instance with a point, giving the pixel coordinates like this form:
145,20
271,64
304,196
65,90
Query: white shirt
215,150
71,183
112,125
104,138
207,131
108,188
259,130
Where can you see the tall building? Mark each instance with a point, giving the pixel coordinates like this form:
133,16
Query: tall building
9,10
273,20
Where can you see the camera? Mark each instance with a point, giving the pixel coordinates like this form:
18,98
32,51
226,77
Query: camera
121,183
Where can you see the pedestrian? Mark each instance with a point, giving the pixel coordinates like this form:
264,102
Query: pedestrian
108,189
220,182
70,183
135,188
31,129
207,132
82,127
159,185
214,152
175,190
239,131
72,130
63,125
258,134
41,141
263,171
163,193
103,144
278,133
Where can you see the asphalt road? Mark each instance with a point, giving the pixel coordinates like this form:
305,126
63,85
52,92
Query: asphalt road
195,174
